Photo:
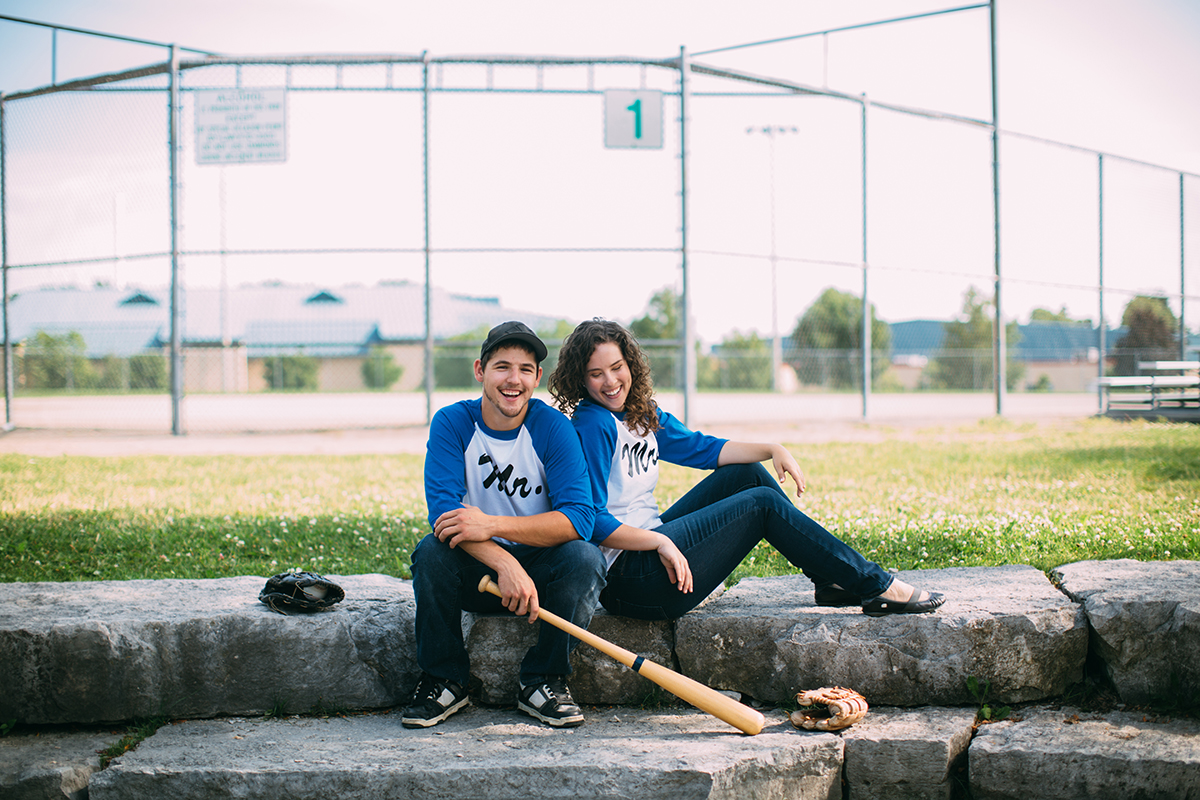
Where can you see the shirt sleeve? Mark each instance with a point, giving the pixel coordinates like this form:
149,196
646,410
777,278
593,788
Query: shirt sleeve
597,431
445,472
566,471
679,445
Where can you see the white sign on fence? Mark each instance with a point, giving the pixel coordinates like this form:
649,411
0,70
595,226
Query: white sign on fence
241,125
633,118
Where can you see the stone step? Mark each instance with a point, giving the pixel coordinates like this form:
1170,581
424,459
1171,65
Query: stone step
498,753
110,651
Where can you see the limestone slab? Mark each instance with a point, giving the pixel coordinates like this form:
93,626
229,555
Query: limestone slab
906,754
496,644
119,650
1144,619
1073,755
51,765
1007,625
488,754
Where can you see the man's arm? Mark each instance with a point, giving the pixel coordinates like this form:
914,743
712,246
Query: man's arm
468,524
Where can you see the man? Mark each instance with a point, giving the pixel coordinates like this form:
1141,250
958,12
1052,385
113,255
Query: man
508,496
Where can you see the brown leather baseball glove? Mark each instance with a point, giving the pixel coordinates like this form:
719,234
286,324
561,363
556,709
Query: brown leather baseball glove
828,709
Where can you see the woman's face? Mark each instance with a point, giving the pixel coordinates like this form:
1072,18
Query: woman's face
607,377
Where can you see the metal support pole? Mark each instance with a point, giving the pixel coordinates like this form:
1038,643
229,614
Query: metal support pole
176,283
999,346
428,276
867,333
776,344
54,57
1183,331
689,333
8,354
1102,343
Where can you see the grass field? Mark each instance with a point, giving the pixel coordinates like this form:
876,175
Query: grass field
988,494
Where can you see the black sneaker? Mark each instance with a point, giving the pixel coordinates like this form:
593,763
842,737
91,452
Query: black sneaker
433,701
551,703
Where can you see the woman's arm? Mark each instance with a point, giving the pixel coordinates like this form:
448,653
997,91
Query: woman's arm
629,538
751,452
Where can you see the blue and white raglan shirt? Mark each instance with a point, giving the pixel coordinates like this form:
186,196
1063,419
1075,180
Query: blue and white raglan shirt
534,468
623,467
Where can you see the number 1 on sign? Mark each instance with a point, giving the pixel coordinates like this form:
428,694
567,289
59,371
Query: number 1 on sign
636,108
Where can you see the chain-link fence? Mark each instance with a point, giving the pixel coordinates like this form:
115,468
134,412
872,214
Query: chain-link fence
383,212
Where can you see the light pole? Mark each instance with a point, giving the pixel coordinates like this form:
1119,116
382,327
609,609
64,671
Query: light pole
771,131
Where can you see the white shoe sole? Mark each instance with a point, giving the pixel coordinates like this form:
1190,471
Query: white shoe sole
554,722
413,722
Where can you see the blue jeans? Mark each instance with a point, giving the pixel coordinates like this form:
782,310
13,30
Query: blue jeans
446,583
715,526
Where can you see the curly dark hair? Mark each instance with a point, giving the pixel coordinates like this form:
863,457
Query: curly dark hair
567,383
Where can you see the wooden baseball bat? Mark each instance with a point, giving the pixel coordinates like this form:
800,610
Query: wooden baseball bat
739,715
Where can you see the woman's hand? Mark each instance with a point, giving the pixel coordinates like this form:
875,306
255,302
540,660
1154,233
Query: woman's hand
785,465
677,566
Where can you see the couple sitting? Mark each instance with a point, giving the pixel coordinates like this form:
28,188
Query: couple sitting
562,513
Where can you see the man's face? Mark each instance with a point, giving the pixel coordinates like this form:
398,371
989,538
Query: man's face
508,379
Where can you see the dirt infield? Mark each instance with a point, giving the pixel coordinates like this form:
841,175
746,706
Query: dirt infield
358,426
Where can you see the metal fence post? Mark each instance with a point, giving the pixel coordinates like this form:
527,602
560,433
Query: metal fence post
1102,343
689,332
867,349
428,276
999,347
8,357
176,287
1183,331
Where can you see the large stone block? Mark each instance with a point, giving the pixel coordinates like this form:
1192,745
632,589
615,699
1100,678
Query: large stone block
906,754
477,754
497,643
1145,623
50,765
108,651
1006,625
1073,755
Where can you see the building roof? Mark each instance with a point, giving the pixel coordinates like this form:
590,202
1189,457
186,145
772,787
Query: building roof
267,319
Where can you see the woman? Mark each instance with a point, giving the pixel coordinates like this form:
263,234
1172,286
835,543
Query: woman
662,566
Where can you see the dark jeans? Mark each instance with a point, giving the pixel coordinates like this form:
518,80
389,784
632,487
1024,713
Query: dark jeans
446,583
715,526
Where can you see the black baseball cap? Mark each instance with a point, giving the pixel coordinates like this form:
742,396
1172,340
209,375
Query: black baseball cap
515,331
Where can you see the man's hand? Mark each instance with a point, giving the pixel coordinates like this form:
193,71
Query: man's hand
466,524
517,591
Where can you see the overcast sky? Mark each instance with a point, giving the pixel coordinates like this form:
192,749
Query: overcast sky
1116,75
1112,75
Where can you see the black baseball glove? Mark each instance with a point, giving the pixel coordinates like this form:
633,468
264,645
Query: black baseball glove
300,591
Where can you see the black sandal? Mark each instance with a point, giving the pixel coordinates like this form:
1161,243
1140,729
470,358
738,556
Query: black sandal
834,596
879,607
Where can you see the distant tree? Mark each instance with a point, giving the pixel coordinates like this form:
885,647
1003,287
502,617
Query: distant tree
743,361
662,322
379,368
147,371
1046,315
965,360
58,362
296,372
454,359
1152,334
828,341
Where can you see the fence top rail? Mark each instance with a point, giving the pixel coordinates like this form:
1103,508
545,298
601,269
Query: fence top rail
1176,366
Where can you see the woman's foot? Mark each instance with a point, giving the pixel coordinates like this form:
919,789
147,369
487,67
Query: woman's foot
902,598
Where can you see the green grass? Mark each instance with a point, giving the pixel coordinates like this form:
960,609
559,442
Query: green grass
997,493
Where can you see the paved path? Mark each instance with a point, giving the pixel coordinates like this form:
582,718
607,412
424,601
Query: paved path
394,423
